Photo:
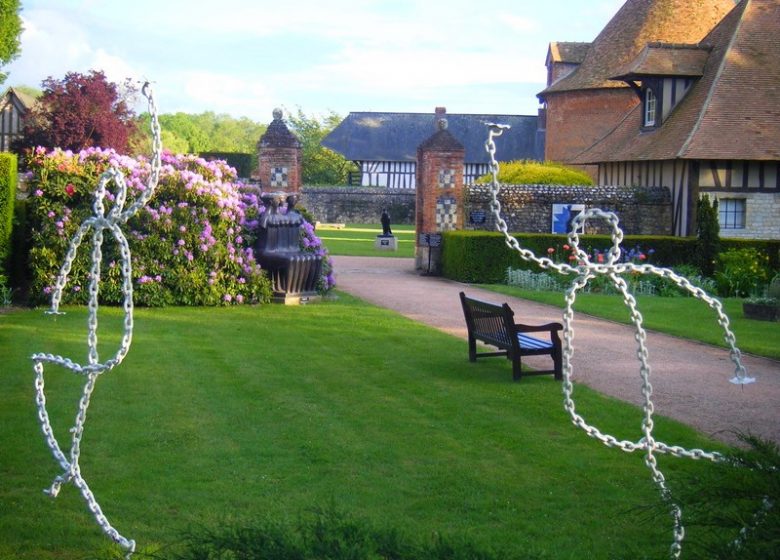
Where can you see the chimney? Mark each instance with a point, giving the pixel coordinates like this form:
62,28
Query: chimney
440,112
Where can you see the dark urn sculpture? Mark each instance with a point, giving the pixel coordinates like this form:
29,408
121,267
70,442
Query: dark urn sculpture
293,273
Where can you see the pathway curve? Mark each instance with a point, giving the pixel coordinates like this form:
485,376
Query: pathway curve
690,380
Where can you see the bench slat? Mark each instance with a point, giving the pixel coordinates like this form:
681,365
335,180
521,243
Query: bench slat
532,343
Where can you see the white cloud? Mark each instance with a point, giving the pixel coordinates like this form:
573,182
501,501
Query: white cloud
52,44
221,93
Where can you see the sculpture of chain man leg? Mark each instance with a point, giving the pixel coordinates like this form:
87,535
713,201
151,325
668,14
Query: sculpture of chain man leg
612,268
101,221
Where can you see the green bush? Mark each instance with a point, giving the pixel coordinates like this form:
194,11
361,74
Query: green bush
7,196
707,234
529,172
186,244
741,272
482,256
241,162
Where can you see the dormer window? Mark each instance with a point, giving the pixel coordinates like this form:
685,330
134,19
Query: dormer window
650,107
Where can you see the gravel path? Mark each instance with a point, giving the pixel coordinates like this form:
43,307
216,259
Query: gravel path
690,380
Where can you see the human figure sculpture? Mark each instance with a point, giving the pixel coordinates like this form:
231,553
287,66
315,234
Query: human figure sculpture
386,231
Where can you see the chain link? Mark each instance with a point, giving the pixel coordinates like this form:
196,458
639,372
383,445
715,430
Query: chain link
99,222
612,268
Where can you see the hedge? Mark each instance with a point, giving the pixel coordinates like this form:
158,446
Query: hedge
483,257
8,165
242,162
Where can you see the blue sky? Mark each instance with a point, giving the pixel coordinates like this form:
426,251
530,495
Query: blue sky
245,57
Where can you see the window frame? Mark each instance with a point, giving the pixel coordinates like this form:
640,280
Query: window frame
650,108
732,213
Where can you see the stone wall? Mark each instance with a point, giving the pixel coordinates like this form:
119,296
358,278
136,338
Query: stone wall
528,208
358,205
762,215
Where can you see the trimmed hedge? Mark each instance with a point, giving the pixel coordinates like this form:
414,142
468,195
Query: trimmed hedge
8,168
483,257
242,162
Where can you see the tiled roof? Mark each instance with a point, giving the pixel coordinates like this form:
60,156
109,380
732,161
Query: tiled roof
731,112
568,52
661,59
375,136
636,24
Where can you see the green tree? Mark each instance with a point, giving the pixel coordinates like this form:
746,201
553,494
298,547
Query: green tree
204,132
707,234
321,166
10,30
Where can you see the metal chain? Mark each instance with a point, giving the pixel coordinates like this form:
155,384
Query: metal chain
612,269
98,222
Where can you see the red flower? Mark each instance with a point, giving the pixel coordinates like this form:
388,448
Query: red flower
566,247
642,256
601,257
70,189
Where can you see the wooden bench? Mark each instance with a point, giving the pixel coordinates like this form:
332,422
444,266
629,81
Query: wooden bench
495,325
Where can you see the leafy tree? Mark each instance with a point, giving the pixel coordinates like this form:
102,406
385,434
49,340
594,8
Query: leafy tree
204,132
10,29
80,111
321,166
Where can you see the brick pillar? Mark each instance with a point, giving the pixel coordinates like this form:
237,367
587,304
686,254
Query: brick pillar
439,193
279,158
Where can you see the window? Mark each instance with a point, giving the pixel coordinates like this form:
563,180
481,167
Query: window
649,107
731,213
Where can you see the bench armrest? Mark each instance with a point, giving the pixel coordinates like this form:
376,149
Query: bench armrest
549,327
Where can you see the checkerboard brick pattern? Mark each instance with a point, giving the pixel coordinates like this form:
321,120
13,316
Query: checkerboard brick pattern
279,177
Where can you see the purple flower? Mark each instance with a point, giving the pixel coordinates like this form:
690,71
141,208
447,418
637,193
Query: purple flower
180,242
228,298
38,192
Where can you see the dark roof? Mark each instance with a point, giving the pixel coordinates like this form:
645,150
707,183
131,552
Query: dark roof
661,59
636,24
278,135
371,136
567,52
731,112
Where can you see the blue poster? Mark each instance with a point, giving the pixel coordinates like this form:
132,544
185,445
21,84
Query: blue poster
562,216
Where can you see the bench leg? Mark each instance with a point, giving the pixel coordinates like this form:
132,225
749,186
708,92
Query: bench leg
472,349
517,368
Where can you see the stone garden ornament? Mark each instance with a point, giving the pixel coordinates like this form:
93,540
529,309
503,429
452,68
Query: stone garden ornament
612,268
100,222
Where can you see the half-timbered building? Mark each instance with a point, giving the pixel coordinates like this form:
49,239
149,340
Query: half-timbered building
14,105
384,145
707,121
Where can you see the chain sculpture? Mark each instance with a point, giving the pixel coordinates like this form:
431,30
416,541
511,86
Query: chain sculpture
99,222
612,268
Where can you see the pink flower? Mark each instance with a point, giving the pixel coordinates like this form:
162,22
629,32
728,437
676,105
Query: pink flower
180,242
601,257
642,256
550,250
38,192
239,298
228,298
70,189
566,247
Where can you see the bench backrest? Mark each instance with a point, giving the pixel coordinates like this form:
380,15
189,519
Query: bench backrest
488,322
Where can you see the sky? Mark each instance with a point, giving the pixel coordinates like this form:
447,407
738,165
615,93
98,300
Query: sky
246,57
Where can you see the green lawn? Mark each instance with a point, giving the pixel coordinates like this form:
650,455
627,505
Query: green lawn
239,413
357,240
680,316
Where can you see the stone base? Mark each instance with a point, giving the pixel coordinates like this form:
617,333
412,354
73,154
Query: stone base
296,299
386,243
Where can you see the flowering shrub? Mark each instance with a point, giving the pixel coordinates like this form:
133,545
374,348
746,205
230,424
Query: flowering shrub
187,244
741,272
